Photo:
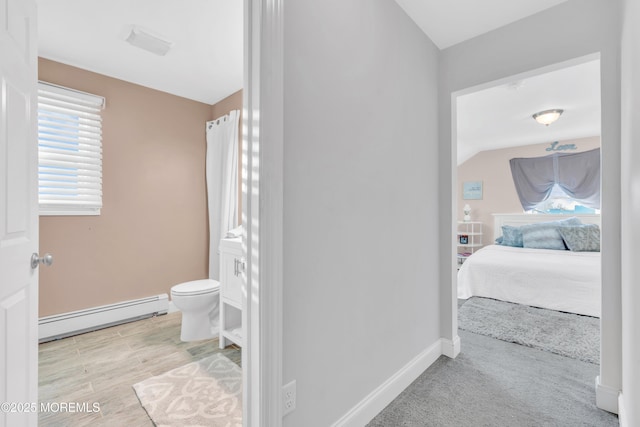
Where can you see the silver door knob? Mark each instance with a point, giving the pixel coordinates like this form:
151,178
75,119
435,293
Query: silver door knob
47,260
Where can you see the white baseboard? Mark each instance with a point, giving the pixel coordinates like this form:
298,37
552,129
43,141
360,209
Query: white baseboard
379,398
622,416
451,348
81,321
606,397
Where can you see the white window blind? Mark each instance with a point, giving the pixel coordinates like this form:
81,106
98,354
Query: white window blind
69,151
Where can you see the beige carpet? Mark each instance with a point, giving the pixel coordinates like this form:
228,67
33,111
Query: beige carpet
203,393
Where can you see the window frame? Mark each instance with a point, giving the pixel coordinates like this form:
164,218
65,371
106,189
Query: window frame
69,151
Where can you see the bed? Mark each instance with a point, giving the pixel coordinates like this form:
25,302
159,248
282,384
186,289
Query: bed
561,280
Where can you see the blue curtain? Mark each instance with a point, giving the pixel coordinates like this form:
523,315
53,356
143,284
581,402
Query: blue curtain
578,174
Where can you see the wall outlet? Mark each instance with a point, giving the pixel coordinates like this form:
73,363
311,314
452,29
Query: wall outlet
288,397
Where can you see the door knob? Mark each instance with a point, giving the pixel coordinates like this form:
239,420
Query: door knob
47,260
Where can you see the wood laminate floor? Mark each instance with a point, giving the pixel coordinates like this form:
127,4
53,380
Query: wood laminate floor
102,366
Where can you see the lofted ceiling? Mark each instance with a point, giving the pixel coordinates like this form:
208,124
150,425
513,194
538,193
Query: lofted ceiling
453,21
206,60
501,116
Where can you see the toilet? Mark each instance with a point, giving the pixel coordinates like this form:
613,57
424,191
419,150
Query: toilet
198,300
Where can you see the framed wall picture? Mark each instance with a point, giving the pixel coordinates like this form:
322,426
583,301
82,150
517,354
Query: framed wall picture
472,190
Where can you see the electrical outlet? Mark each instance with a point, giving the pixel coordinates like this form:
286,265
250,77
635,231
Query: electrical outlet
289,398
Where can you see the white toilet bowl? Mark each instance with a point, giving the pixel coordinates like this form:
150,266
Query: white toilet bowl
198,301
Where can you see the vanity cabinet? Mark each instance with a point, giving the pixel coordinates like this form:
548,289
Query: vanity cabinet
231,292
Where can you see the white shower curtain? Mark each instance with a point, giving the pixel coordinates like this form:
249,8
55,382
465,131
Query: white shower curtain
222,183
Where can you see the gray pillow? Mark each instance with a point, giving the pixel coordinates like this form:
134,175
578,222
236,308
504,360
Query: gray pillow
545,235
581,238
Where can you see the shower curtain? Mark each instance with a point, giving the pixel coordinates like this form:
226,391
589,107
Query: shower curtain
222,183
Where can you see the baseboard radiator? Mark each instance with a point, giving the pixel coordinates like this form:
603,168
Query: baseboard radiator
77,322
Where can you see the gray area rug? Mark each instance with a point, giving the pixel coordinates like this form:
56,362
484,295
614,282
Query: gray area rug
203,393
495,383
567,334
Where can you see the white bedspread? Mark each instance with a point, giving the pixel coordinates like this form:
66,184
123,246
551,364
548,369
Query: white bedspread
558,280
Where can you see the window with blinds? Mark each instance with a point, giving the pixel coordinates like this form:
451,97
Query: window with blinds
69,151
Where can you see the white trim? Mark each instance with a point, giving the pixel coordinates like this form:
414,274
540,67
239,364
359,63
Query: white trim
272,212
622,415
81,321
384,394
263,146
77,212
606,397
250,103
66,91
451,348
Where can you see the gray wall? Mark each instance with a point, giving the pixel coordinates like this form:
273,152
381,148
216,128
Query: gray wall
570,30
360,190
630,410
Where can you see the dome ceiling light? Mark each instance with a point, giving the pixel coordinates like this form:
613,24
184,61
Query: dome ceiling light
547,117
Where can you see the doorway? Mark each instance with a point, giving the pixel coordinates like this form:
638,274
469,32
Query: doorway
484,141
251,166
262,365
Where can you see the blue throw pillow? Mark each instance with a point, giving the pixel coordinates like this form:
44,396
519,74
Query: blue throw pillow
581,238
511,236
545,235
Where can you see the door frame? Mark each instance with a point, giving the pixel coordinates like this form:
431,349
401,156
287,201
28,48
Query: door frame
606,394
262,200
262,213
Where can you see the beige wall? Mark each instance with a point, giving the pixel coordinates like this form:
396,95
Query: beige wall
498,191
152,232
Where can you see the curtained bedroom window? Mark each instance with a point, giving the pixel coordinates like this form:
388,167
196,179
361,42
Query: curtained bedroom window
575,174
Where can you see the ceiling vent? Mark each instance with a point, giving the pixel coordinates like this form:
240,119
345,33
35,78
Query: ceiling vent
145,39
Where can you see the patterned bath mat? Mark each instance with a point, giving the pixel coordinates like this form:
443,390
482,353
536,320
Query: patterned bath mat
567,334
203,393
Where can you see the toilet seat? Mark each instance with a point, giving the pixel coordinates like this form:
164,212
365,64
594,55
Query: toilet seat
196,287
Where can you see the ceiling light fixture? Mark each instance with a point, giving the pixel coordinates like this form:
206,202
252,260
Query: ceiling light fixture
547,117
144,39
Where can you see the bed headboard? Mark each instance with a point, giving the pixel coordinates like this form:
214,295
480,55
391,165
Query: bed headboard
522,218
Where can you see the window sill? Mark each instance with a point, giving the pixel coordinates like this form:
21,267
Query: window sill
69,213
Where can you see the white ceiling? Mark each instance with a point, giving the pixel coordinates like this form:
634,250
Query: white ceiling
501,116
205,63
453,21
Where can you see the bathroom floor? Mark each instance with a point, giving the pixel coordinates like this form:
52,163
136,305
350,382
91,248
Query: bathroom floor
102,366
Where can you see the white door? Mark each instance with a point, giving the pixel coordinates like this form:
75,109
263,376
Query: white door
18,214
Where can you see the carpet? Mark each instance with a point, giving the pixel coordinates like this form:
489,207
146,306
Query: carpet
203,393
494,383
567,334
